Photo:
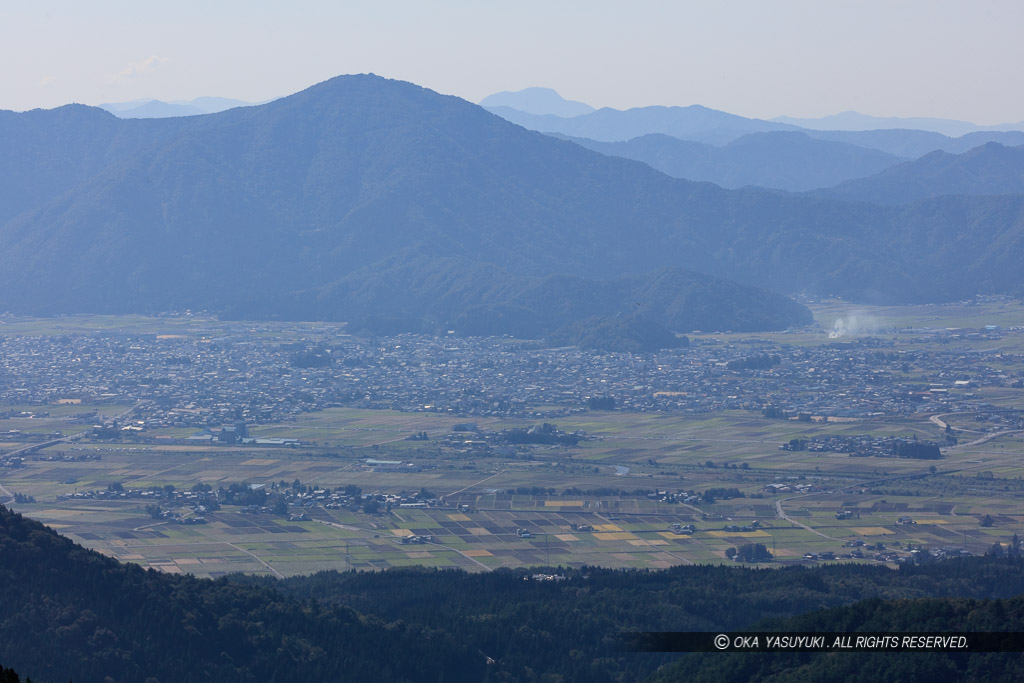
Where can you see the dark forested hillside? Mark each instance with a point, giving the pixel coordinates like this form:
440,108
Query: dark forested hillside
70,613
441,293
540,625
286,201
623,334
11,676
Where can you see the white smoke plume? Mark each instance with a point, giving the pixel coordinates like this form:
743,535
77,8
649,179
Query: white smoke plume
854,325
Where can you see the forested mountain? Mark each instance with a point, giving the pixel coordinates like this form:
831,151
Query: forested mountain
11,676
986,170
562,628
621,334
781,160
71,613
437,293
50,152
296,201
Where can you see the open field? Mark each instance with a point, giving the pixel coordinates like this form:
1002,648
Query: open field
642,451
202,325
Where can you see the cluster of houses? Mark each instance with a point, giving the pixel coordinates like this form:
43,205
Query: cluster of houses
417,539
212,378
11,461
792,485
175,517
864,445
892,556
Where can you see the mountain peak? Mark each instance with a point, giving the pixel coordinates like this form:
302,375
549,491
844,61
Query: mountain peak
538,101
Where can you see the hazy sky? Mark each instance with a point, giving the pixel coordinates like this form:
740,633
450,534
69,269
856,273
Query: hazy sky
757,58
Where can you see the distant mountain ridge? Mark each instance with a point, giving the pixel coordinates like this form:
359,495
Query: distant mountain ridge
538,101
291,204
783,160
917,143
855,121
695,122
990,169
156,109
545,101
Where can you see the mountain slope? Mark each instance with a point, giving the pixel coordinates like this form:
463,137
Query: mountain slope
49,152
917,143
781,160
70,613
286,200
440,293
986,170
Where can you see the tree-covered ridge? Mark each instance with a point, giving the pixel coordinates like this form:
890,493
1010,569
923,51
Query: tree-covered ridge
11,676
990,169
68,612
437,294
632,334
563,626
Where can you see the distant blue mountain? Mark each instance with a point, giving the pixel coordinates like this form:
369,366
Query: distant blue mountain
695,122
701,124
154,109
854,121
990,169
539,101
157,109
363,196
780,159
916,143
